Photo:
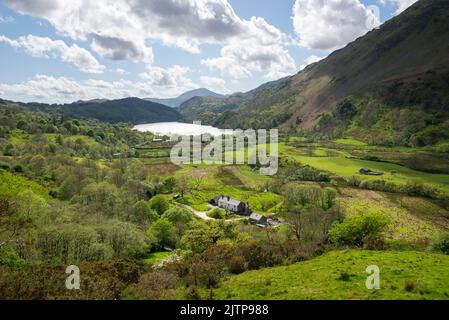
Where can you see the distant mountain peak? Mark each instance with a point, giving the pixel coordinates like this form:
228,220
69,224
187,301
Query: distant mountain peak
176,102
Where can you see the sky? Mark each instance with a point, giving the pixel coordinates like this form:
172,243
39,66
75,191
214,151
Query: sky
60,51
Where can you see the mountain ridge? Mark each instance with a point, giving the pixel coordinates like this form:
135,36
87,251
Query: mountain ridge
176,102
389,86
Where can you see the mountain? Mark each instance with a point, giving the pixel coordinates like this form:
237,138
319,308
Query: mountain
390,86
176,102
90,101
208,109
134,110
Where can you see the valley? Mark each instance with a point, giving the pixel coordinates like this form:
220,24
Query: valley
362,181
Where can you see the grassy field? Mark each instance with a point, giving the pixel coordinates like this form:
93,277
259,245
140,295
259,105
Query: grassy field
239,182
341,275
413,220
156,257
347,167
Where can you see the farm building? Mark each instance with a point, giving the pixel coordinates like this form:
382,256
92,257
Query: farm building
232,205
369,172
258,220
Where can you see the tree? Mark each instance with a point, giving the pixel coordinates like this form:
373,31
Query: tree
355,229
169,184
126,239
183,186
198,238
163,233
143,214
178,216
159,204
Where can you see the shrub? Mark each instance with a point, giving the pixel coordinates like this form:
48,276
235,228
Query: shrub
216,214
354,181
18,168
357,230
159,204
4,166
441,244
9,258
178,216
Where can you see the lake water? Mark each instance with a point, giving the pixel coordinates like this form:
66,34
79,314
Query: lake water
179,128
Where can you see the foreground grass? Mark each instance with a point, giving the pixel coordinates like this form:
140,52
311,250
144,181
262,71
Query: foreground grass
341,275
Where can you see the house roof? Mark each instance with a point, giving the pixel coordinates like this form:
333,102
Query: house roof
230,201
256,216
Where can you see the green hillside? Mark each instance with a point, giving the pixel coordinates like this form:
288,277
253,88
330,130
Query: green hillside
341,275
388,87
132,110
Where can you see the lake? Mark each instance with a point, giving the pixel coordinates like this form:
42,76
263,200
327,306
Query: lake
179,128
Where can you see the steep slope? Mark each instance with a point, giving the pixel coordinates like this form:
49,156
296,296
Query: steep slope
132,110
405,275
390,86
208,109
176,102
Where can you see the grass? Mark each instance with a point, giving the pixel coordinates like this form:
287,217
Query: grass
347,167
238,182
341,275
13,184
352,142
405,224
156,257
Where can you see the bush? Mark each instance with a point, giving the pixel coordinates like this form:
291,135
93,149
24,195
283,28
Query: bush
10,259
178,216
216,214
18,168
418,189
142,213
441,244
159,204
359,230
4,166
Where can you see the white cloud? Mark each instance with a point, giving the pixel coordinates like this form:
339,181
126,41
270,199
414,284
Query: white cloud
311,59
260,49
48,89
7,19
400,5
173,78
123,29
330,25
43,47
215,84
121,71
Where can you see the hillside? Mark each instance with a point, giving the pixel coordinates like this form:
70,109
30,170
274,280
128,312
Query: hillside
390,86
403,275
132,110
176,102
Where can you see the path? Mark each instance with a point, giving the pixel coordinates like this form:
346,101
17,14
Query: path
203,214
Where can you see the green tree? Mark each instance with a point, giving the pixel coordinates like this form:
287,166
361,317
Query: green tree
354,230
142,213
159,204
178,216
163,233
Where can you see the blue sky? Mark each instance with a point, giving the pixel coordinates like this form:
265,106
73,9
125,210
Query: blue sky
54,52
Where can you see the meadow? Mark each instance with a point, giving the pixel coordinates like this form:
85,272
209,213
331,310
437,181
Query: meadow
341,275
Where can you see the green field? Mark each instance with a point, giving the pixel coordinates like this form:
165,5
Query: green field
341,275
156,257
347,167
